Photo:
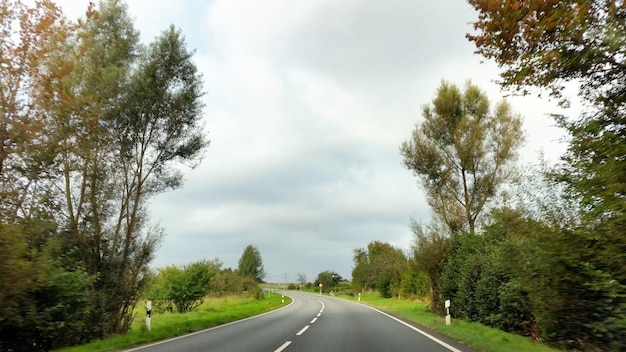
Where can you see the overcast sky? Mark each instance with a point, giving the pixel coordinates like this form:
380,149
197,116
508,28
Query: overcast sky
307,103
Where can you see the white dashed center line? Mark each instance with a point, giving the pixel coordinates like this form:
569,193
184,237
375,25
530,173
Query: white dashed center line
302,331
279,349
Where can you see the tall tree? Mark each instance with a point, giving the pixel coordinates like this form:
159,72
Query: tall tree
360,271
37,282
104,51
156,126
133,112
30,38
251,263
462,153
430,250
301,279
545,44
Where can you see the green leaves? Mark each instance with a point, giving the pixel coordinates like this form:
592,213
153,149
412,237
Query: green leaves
328,279
44,300
251,264
462,153
181,289
379,267
485,276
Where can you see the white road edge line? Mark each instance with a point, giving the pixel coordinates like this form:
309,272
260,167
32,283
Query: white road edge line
313,321
210,329
279,349
302,331
451,348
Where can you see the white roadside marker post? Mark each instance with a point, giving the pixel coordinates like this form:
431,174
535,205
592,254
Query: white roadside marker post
148,313
448,317
359,296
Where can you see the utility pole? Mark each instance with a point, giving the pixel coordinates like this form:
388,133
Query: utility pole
285,276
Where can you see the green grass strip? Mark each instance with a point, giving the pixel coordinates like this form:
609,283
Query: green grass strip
212,312
474,335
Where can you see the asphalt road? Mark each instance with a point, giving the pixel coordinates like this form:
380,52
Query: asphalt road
313,323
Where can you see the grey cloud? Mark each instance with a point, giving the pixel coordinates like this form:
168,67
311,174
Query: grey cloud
365,40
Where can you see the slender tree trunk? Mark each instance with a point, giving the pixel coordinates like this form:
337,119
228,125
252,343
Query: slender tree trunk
467,205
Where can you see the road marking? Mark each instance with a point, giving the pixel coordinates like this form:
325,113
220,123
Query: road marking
313,321
451,348
318,314
279,349
323,306
302,331
210,329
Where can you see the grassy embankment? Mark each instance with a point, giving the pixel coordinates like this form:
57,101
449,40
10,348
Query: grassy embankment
477,336
213,312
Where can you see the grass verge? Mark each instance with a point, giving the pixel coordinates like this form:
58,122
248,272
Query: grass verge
474,335
213,312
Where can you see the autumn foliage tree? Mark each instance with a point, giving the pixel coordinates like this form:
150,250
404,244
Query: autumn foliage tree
542,43
43,295
31,39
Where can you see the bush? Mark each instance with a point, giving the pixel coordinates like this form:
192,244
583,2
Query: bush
384,286
414,284
181,289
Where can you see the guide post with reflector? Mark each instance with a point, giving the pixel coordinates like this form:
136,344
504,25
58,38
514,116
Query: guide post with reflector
148,313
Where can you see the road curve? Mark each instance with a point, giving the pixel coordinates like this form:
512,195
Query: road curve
312,323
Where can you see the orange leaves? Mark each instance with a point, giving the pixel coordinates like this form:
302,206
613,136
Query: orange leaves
32,44
544,43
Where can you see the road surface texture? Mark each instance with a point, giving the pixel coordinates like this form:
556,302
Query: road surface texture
312,323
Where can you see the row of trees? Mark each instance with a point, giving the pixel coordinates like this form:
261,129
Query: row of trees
541,255
529,261
92,124
379,267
